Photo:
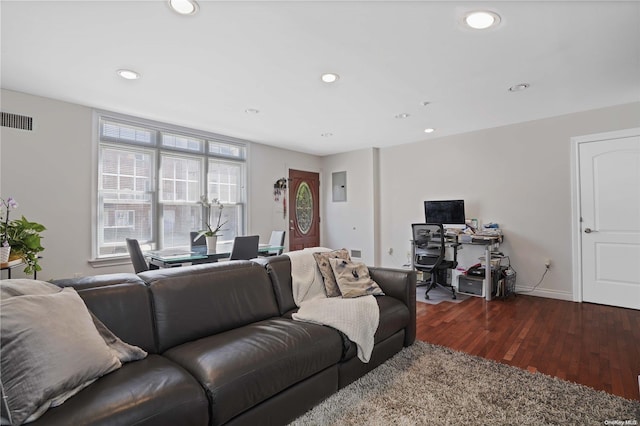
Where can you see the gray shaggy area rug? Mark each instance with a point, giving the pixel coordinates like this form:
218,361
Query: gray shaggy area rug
427,384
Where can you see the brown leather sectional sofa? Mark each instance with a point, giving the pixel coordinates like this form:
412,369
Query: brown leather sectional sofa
222,346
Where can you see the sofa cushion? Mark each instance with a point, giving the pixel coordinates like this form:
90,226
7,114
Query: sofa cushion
126,310
242,367
193,302
153,391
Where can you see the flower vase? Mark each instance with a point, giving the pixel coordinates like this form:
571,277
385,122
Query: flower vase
211,244
4,254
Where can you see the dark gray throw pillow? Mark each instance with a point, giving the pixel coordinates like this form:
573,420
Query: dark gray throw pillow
50,349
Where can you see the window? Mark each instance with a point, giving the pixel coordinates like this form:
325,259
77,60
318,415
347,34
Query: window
151,178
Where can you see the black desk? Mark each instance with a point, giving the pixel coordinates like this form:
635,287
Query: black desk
169,258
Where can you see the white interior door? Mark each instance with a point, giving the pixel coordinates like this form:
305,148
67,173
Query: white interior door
609,173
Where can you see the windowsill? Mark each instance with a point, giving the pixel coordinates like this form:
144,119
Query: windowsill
109,261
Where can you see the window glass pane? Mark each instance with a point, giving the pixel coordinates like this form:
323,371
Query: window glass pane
182,142
232,215
125,209
223,181
180,178
226,149
178,221
122,132
124,220
304,208
120,168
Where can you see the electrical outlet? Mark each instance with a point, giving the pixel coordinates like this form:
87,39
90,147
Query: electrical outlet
547,263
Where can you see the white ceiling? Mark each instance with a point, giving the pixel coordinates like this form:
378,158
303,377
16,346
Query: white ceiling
204,71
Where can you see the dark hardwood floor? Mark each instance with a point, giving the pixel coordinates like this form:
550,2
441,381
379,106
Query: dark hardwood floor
595,345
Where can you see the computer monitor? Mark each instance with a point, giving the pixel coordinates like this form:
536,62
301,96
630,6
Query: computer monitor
449,213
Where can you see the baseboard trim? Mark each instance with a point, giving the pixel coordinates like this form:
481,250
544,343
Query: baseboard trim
549,294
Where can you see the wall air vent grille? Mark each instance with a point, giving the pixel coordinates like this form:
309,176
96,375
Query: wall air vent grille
17,121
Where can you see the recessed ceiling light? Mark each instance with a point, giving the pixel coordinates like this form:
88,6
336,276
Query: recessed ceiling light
128,74
252,111
184,7
402,115
329,77
519,87
481,19
429,130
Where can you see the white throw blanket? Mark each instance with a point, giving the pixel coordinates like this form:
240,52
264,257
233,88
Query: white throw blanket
357,318
307,283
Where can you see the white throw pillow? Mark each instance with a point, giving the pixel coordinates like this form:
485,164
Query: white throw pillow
353,279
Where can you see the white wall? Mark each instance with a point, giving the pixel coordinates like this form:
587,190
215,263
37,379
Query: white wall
266,165
350,224
49,171
517,176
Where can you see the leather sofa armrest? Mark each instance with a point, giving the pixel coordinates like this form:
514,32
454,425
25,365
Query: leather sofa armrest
399,284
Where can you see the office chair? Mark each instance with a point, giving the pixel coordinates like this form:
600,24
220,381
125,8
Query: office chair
245,248
137,258
277,239
429,254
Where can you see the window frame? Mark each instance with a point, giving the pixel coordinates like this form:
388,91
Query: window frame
156,147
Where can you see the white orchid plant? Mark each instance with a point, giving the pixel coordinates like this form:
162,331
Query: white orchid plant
8,204
207,205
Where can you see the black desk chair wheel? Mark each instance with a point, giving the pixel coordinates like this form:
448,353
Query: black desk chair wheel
429,255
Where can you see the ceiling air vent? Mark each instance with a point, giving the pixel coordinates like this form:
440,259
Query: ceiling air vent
17,121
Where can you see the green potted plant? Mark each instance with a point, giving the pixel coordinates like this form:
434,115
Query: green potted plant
211,232
23,236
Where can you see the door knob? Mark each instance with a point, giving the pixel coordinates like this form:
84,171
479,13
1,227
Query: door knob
589,230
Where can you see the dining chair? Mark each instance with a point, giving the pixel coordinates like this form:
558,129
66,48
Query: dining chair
245,248
277,239
202,241
137,258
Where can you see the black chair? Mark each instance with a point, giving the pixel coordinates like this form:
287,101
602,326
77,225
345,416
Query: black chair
137,258
277,239
199,243
245,248
429,244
